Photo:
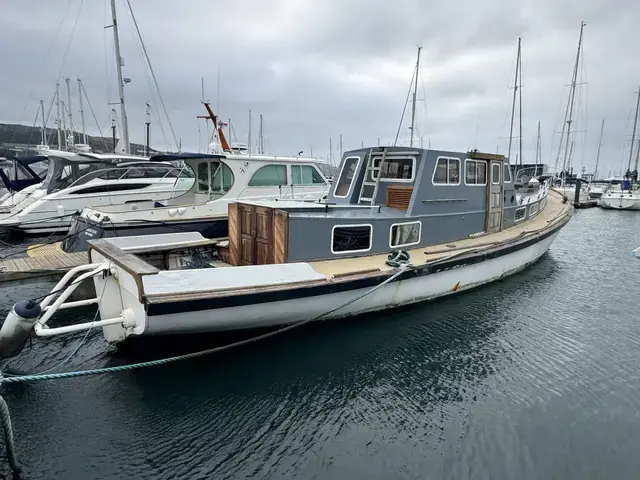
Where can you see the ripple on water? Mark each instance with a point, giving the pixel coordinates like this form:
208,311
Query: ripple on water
532,377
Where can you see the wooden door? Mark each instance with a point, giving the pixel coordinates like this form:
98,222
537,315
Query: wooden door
256,235
263,236
247,228
495,206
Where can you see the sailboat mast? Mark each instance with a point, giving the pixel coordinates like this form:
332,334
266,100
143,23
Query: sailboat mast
595,173
633,135
84,132
249,136
415,92
69,111
538,150
44,126
58,121
119,62
147,125
520,96
261,136
572,96
513,105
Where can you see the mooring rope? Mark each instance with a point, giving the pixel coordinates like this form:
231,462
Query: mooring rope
4,409
8,435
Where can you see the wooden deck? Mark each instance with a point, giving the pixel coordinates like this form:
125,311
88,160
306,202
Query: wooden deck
22,268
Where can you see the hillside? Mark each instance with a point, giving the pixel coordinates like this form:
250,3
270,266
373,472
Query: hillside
20,139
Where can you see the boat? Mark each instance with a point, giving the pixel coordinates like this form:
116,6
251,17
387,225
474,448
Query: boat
18,174
619,197
75,180
401,225
220,179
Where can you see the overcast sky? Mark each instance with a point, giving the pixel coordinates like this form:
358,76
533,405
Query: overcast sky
316,70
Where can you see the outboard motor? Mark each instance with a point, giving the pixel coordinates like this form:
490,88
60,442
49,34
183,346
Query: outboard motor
17,327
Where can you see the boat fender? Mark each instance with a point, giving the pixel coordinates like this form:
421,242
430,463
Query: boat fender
17,327
398,258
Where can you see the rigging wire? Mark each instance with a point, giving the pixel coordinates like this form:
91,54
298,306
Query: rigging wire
404,110
66,52
153,75
46,60
93,114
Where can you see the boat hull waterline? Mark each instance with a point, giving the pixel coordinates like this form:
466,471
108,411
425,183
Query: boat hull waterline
279,307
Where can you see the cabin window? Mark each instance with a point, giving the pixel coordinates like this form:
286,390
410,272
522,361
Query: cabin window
347,174
405,234
203,176
269,176
533,210
475,172
495,174
397,169
110,188
221,178
520,213
506,173
447,171
306,175
351,238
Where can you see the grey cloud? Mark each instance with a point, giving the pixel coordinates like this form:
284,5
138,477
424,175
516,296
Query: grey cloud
316,70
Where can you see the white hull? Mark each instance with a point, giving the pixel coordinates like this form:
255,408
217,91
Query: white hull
620,201
278,313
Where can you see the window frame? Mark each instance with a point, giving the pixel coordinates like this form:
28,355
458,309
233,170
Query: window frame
311,166
532,212
508,167
396,180
516,220
496,164
351,225
447,184
465,172
337,181
419,222
542,205
286,176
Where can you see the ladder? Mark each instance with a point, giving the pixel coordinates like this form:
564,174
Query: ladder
370,183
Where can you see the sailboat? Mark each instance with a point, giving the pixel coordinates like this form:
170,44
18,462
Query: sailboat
565,181
622,199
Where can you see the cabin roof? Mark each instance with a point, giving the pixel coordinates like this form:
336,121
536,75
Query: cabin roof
234,156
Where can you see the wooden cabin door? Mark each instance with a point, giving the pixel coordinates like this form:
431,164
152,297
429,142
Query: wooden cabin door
495,205
256,235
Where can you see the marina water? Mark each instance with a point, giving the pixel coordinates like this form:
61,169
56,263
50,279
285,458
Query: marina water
533,377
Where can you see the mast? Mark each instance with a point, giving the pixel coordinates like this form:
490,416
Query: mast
229,125
44,126
113,128
58,121
633,135
330,151
261,145
69,112
595,173
415,92
119,62
84,132
538,150
520,109
64,126
249,136
340,146
513,105
147,125
572,96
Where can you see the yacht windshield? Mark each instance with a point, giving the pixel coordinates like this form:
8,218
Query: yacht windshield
134,171
61,174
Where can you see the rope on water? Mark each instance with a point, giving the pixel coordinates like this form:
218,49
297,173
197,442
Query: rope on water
403,266
8,435
163,361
